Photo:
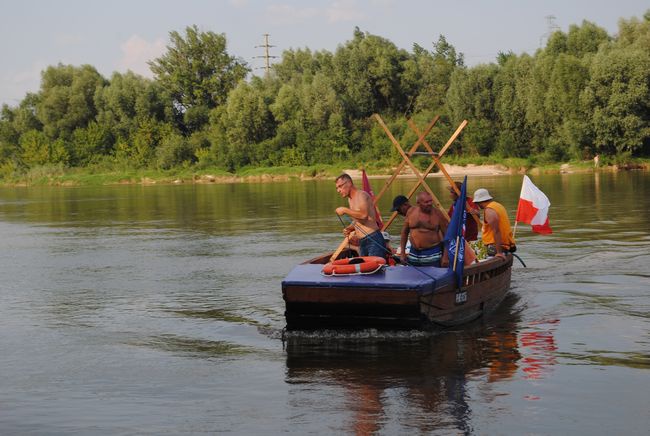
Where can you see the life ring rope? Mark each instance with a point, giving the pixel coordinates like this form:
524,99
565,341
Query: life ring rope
354,266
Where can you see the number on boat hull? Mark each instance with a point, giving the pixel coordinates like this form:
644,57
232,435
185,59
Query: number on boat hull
461,297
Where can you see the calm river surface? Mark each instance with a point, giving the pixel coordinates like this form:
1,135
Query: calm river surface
158,310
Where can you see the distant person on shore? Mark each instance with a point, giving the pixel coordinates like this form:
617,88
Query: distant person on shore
596,161
471,226
497,233
362,212
425,227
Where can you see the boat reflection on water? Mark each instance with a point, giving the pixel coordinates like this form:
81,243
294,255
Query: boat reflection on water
422,376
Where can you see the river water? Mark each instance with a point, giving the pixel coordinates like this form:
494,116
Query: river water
158,310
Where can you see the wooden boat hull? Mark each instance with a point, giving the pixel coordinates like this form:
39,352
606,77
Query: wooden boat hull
397,298
484,287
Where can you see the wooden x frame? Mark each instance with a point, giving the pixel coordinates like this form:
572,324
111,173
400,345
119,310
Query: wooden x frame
436,160
442,151
407,161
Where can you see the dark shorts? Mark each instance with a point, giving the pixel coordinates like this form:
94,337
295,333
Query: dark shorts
372,245
426,257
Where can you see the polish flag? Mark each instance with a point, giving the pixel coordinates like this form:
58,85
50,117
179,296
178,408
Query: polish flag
368,189
533,208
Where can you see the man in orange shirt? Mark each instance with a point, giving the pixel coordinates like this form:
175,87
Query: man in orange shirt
497,233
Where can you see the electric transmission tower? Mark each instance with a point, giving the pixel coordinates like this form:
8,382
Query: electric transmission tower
550,26
266,46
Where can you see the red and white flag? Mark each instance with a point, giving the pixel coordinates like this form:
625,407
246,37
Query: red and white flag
368,189
533,208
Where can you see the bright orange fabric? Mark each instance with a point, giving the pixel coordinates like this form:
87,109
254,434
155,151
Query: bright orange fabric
507,239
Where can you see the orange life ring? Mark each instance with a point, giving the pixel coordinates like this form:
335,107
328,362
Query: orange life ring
354,265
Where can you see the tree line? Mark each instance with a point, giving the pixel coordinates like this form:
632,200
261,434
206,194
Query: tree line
584,93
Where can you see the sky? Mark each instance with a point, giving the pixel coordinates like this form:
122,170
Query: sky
121,35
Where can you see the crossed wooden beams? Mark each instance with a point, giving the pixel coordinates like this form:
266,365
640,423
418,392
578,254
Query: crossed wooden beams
406,160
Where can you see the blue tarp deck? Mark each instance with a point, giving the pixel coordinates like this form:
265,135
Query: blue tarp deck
420,279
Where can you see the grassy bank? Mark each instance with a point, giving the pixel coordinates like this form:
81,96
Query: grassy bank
60,176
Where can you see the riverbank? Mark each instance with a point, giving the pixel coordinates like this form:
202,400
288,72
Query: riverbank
95,177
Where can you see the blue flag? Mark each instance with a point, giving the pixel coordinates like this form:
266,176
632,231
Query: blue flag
455,235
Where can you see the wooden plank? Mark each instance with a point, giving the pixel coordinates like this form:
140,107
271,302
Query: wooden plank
344,243
436,160
342,295
413,167
452,138
412,150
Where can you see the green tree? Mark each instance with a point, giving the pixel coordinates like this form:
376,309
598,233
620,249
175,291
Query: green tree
140,149
471,96
436,69
66,100
510,101
35,146
295,65
618,96
311,119
88,143
127,100
571,133
198,73
366,75
585,39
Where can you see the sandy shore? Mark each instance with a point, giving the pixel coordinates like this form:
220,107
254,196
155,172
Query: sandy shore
453,170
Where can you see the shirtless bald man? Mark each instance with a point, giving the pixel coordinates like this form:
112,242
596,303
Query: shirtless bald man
362,211
425,226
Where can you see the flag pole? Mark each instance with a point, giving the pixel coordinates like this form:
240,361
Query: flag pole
456,252
514,229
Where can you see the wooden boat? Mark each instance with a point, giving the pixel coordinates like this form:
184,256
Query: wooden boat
401,297
396,297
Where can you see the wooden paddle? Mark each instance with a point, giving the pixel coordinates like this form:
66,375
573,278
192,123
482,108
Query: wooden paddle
341,247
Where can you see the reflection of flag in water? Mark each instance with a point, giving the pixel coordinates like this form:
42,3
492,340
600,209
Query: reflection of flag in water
533,208
368,189
538,348
455,238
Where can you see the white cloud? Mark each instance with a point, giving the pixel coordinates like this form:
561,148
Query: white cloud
287,14
239,3
136,51
345,10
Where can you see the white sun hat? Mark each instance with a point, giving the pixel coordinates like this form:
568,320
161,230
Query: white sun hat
481,194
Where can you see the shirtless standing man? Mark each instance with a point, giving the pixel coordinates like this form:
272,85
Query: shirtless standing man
362,211
426,226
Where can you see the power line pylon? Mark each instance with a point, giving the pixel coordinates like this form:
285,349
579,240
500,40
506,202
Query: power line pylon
551,27
266,46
